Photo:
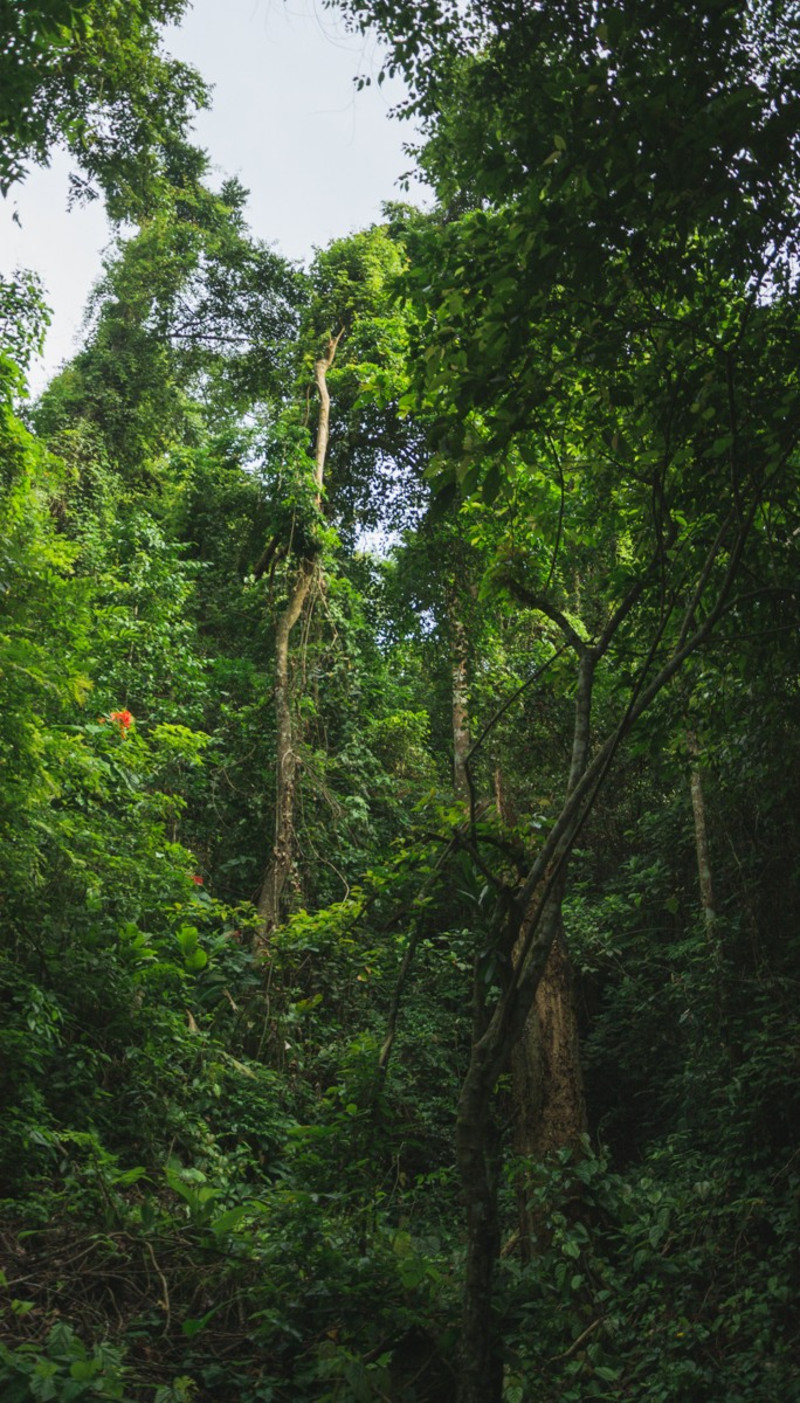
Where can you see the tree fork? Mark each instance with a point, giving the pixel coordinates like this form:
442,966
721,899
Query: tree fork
528,919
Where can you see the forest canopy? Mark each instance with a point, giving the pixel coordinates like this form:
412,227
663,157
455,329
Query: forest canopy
399,706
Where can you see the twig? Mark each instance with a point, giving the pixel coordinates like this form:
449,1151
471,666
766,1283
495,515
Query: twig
576,1344
164,1288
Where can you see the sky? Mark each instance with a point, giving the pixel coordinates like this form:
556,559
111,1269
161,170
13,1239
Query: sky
318,157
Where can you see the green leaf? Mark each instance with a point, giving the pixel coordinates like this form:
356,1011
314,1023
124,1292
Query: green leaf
229,1220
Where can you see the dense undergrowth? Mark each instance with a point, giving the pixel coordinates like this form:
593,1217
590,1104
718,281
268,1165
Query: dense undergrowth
208,1193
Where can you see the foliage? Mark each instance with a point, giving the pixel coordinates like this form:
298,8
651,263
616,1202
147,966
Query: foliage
662,1279
189,300
64,1371
95,77
564,405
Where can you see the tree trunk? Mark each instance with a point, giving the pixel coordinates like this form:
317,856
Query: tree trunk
548,1102
480,1376
503,805
478,1159
549,1106
529,922
546,1078
530,931
281,860
270,901
481,1368
462,740
702,849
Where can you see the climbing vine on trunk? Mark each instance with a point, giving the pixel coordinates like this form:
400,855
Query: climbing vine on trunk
270,901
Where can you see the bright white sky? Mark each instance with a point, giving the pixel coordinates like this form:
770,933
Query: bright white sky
318,157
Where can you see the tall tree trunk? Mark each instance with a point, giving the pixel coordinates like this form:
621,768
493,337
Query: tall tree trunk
504,807
480,1378
702,850
462,740
270,901
546,1078
536,921
282,856
549,1105
529,931
548,1102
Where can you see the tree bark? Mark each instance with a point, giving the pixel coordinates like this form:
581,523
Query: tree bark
549,1106
480,1378
547,1094
702,849
270,901
529,930
546,1076
282,857
462,740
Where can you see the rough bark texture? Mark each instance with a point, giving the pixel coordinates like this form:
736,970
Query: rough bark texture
546,1078
549,1105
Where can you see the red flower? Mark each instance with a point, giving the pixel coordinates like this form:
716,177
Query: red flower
198,881
123,719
